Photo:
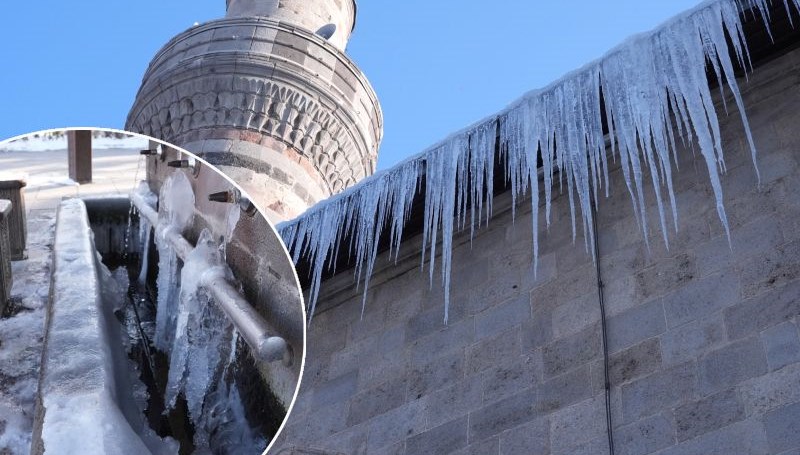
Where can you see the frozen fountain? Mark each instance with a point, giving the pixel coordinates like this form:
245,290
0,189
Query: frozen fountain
175,323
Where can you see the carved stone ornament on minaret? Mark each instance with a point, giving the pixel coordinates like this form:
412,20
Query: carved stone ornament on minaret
267,95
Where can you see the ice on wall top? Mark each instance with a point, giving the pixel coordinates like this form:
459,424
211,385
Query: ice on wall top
645,83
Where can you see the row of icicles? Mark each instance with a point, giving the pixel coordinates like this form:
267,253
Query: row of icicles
654,92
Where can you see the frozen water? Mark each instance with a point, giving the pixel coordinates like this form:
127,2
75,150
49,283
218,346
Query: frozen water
197,337
200,326
177,201
560,125
201,354
177,211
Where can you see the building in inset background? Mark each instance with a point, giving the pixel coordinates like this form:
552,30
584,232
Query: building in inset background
651,305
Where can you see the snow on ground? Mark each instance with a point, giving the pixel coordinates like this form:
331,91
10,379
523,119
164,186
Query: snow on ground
42,143
114,171
117,166
21,336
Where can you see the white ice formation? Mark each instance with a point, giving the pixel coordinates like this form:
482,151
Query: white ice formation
199,339
177,206
646,83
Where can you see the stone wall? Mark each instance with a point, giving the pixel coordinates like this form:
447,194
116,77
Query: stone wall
703,337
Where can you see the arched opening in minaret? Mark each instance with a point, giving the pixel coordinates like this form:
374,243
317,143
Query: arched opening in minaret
327,31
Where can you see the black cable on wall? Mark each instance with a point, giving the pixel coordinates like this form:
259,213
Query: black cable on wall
603,326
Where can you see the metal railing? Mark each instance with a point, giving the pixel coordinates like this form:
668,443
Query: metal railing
250,324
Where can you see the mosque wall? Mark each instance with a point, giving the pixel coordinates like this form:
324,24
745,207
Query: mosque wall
703,337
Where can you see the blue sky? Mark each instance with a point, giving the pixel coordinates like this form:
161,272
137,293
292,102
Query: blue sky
437,65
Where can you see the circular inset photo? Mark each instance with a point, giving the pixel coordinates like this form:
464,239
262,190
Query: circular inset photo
147,304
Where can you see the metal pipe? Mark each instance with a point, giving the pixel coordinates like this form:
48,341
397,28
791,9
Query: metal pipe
234,196
250,324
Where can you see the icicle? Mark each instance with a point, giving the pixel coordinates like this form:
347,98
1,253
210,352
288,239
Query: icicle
645,84
177,205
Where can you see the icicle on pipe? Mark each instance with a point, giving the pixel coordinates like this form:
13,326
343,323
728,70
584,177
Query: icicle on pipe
561,125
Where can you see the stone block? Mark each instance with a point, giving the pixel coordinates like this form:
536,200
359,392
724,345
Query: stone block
771,391
666,275
454,400
372,322
537,331
351,357
502,415
446,339
732,364
532,437
350,440
575,315
708,414
645,436
574,284
691,340
489,351
396,425
636,361
620,295
438,373
444,438
425,323
776,266
378,400
502,317
402,306
336,390
324,421
473,270
570,257
374,372
783,345
510,376
593,447
701,298
637,324
661,390
502,287
572,351
756,314
754,237
564,390
746,437
577,424
545,271
783,428
489,446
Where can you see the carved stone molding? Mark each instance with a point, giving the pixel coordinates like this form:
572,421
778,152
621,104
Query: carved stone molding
272,109
265,77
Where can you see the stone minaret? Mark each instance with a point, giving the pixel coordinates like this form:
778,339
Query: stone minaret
268,95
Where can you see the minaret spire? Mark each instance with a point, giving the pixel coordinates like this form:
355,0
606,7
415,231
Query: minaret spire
268,95
332,19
